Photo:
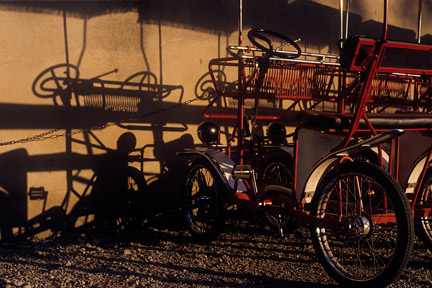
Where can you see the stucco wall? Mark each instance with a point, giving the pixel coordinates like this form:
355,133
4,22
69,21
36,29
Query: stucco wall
169,41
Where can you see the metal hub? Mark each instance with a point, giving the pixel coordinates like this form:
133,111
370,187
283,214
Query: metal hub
356,227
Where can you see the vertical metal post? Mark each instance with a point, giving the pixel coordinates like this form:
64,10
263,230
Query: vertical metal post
240,104
420,10
341,28
240,40
384,36
346,18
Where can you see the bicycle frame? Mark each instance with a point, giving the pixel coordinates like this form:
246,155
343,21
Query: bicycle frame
341,197
243,190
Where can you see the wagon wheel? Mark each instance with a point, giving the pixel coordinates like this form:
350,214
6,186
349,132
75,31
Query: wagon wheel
52,82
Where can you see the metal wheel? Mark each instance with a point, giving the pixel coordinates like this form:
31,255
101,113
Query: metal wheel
371,247
423,225
277,171
203,202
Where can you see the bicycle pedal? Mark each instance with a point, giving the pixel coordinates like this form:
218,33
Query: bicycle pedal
242,172
37,193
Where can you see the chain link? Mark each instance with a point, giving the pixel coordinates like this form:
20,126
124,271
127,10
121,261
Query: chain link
51,134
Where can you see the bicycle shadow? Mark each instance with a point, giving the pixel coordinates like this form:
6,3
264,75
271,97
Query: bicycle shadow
114,191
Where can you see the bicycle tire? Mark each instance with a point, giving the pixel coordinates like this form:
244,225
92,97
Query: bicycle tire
204,204
363,253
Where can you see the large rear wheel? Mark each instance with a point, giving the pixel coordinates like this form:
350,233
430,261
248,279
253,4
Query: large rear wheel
375,236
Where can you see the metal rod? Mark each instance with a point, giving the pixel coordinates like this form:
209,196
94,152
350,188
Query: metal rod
384,36
240,40
341,18
419,20
346,18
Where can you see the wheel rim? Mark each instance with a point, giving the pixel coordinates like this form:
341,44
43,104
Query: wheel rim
362,250
426,222
200,200
278,172
427,227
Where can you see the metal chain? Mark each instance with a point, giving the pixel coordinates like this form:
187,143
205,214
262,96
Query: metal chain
51,133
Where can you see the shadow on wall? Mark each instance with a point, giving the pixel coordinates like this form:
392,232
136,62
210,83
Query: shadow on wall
116,193
316,24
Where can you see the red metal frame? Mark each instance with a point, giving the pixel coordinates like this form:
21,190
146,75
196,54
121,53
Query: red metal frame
377,78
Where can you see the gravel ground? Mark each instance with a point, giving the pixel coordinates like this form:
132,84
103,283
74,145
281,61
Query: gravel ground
248,254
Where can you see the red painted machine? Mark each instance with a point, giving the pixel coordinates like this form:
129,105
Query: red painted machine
333,172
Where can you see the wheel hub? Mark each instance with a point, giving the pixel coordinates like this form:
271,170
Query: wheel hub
356,227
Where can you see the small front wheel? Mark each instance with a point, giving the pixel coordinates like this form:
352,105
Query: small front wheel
203,201
374,240
278,171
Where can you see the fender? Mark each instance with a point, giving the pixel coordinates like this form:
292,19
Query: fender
222,164
415,173
327,163
385,156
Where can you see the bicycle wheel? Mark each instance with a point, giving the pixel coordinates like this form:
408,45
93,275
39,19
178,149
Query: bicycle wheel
277,170
203,201
367,249
423,225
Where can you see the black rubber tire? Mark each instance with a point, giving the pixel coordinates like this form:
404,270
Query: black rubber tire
378,255
423,225
204,201
277,169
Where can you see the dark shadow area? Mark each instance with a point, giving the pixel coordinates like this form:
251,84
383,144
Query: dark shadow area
317,25
374,29
426,39
78,9
115,197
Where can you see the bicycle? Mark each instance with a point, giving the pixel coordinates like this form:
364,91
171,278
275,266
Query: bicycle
360,219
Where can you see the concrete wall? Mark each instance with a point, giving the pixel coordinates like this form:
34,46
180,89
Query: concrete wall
169,45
